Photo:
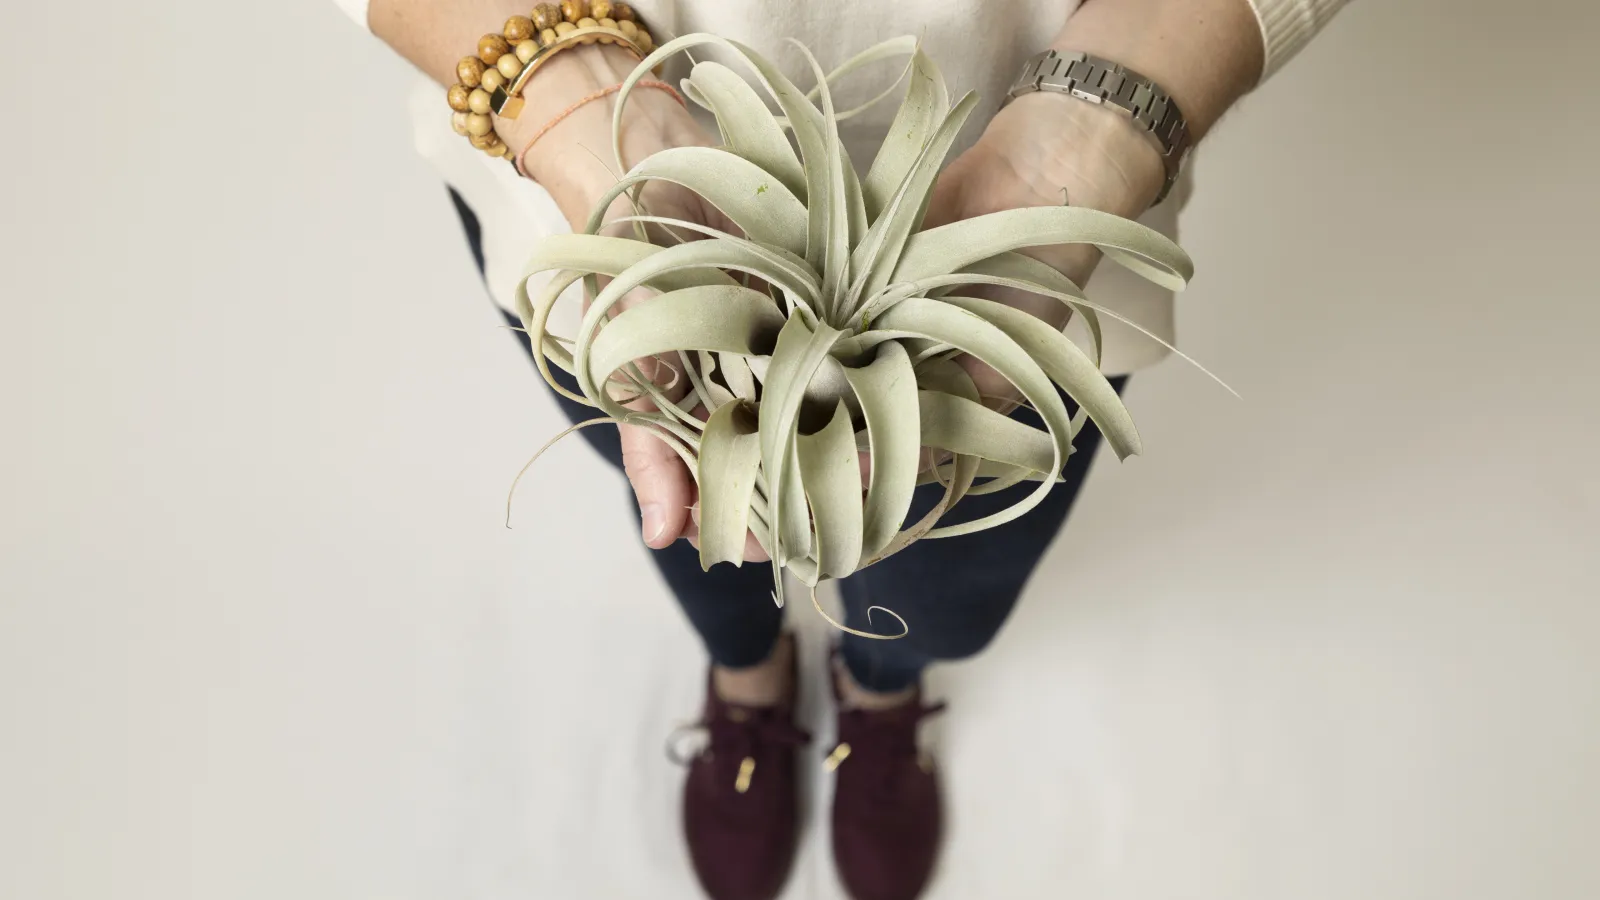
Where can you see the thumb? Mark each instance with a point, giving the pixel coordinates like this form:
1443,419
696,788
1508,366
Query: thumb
660,481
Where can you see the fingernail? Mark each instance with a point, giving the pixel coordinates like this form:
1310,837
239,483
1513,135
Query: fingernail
655,521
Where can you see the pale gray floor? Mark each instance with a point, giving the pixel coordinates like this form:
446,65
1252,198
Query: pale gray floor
262,635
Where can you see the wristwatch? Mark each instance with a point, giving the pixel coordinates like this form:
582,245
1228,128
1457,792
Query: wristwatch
1110,84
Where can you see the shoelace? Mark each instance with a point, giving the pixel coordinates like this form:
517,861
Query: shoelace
880,743
742,735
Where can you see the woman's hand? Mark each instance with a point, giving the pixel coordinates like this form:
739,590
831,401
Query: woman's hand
1205,53
668,500
575,163
661,482
1046,150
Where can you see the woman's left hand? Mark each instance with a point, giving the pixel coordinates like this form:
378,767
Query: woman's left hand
1046,150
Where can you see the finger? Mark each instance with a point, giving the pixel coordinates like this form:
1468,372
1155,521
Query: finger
753,551
660,481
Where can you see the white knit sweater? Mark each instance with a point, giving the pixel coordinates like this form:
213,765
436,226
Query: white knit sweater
979,45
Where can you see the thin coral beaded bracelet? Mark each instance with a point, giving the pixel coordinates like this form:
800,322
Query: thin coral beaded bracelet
582,101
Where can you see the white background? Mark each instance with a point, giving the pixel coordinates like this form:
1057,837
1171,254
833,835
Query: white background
262,634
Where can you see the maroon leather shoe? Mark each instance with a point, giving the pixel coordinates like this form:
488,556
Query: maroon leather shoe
740,805
887,814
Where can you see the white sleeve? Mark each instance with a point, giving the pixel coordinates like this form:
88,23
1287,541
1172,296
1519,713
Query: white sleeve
355,9
1286,27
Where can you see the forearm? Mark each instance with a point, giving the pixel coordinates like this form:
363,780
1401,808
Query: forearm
435,36
1048,148
572,160
1205,53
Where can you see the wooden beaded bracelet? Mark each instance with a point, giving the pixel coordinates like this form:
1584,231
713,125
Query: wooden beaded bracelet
491,83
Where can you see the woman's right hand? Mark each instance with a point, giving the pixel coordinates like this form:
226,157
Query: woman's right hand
574,162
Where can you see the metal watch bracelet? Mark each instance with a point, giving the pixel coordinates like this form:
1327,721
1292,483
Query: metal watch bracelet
1110,84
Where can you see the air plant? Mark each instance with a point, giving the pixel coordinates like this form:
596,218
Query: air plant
846,347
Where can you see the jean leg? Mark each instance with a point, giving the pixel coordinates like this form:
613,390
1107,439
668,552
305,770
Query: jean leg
730,608
955,593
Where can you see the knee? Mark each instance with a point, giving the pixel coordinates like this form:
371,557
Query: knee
945,618
949,647
947,634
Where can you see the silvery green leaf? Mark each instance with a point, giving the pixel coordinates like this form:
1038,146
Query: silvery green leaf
1078,304
710,365
594,254
748,127
906,45
753,198
802,118
780,87
776,265
699,391
730,457
796,357
926,104
995,473
947,376
939,321
829,386
950,248
1025,268
963,426
579,255
831,473
736,371
694,255
887,391
835,211
880,251
719,318
1067,366
785,493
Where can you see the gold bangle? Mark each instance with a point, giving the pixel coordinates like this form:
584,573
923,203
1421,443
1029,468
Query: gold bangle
507,101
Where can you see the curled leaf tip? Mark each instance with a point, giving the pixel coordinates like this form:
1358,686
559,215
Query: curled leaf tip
904,628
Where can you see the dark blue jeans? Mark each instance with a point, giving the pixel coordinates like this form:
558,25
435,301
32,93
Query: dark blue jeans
954,593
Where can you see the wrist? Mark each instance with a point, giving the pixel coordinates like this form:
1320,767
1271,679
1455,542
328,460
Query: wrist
573,159
1056,142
